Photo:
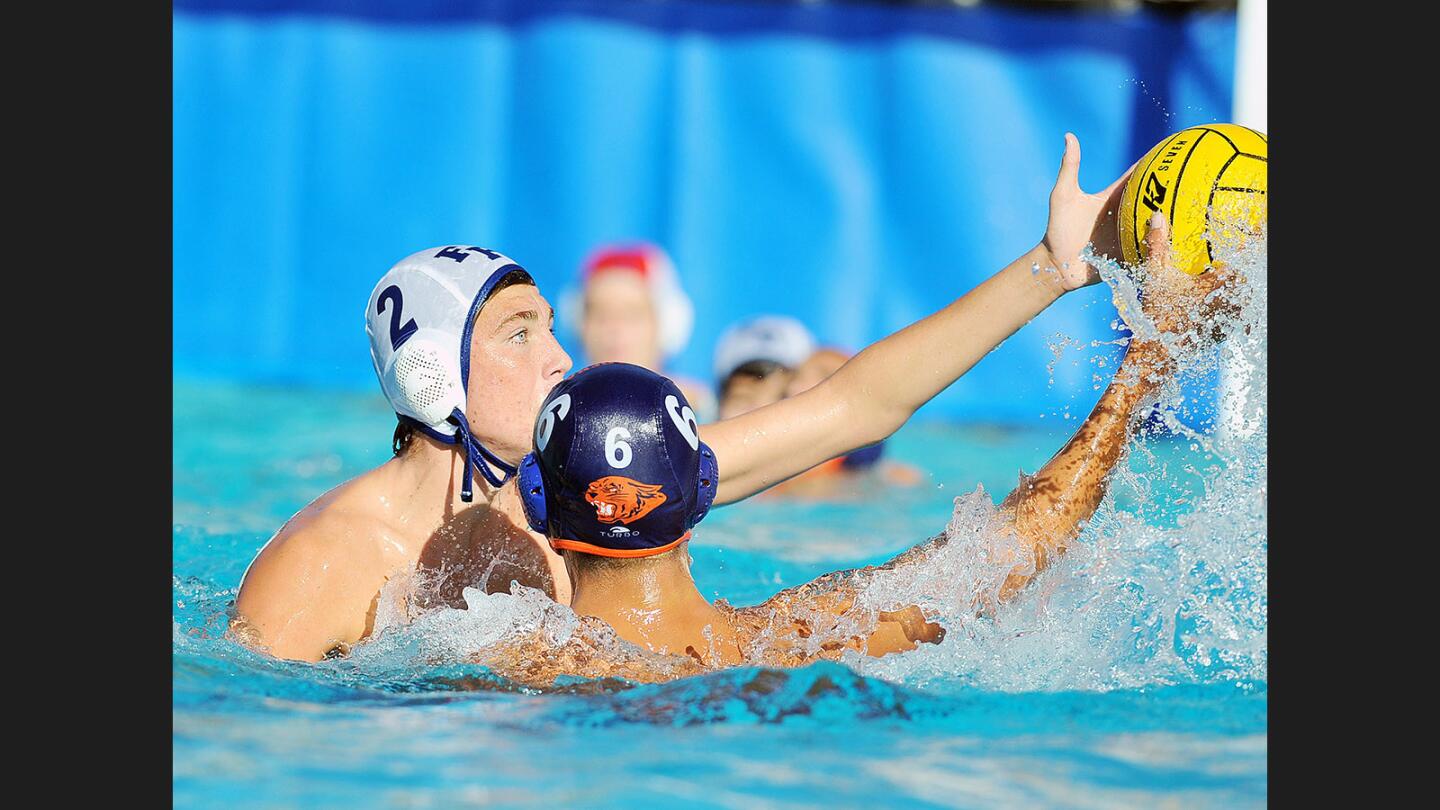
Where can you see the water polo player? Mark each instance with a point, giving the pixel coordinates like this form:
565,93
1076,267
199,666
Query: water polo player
620,476
755,359
461,342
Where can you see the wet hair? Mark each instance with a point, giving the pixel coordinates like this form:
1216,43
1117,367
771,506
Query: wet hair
405,431
404,435
758,369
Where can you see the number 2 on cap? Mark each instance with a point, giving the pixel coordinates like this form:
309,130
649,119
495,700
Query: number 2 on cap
398,334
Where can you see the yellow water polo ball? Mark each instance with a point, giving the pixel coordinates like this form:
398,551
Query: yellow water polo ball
1210,181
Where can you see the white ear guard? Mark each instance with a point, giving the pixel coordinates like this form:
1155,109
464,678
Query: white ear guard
423,380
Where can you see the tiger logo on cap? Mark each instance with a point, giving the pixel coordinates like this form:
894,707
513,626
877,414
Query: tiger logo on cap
623,500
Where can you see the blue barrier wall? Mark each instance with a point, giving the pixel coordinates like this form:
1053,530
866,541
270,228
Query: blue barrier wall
854,166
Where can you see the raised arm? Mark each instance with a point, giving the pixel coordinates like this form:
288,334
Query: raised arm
873,394
1050,508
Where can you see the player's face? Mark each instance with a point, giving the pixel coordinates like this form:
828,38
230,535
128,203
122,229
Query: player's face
620,324
514,362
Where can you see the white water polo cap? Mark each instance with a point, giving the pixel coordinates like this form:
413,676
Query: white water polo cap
419,320
777,338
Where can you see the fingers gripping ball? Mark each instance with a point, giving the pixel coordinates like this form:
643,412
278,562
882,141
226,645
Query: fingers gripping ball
1210,182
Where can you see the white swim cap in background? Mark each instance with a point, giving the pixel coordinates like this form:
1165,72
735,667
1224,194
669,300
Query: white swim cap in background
674,311
419,319
777,338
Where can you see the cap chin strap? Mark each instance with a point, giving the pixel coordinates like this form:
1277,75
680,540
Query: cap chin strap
476,455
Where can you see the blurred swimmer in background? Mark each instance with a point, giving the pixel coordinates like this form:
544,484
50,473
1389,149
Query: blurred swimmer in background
822,362
767,358
630,308
755,360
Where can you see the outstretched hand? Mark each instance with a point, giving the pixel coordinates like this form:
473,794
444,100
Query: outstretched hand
1078,219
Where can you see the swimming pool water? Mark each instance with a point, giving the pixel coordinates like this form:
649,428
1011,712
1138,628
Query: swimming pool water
1041,725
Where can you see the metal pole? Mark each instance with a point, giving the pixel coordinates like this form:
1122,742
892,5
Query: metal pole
1251,83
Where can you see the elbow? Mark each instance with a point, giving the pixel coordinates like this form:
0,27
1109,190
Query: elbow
868,418
878,423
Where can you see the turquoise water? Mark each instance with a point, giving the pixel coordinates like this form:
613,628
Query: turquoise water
1132,673
252,731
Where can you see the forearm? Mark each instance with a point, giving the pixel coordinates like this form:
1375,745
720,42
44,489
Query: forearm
888,381
821,619
1049,508
873,394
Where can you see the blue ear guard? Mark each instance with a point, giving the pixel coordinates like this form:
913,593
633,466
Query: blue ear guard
532,492
706,486
532,489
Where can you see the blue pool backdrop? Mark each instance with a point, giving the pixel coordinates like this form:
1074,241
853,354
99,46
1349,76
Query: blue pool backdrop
855,166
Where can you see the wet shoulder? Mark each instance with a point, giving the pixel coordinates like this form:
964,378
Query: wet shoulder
338,528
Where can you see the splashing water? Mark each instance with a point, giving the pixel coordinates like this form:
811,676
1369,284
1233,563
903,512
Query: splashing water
1138,600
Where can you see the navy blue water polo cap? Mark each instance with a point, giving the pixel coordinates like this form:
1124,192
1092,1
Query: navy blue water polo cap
618,468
